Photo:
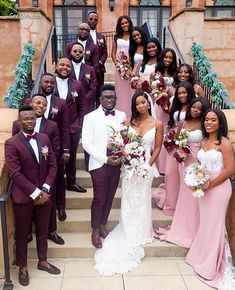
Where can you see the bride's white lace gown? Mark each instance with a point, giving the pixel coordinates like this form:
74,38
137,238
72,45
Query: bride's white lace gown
123,249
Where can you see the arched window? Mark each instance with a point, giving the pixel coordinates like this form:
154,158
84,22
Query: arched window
150,2
221,8
74,2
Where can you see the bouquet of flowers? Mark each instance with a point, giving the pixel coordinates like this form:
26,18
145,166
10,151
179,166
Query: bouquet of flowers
159,93
123,65
139,84
128,148
196,177
181,150
169,140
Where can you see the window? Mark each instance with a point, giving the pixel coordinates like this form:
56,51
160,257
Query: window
221,8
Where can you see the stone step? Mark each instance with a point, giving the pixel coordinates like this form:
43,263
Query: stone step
78,220
80,161
78,245
83,178
75,200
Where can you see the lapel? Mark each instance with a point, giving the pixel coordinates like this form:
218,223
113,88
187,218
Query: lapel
69,89
56,91
28,146
42,125
73,74
82,72
102,125
39,143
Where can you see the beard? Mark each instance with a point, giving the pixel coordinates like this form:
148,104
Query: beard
76,60
61,76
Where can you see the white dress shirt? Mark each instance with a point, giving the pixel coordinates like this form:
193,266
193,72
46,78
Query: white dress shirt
77,67
46,114
37,127
93,35
62,85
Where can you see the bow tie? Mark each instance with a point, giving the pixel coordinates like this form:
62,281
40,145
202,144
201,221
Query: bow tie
109,113
29,137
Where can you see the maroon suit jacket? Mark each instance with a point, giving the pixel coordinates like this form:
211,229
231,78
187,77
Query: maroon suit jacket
76,105
25,171
87,77
91,53
103,51
47,127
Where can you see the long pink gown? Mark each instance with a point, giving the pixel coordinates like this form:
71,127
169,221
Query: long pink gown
166,194
186,218
206,254
123,89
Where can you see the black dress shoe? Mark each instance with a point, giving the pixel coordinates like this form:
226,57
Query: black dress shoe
23,277
76,188
51,269
62,216
54,237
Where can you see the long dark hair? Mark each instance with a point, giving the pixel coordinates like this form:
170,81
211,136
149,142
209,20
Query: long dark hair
191,79
223,125
177,105
135,115
161,67
205,106
146,55
133,44
119,30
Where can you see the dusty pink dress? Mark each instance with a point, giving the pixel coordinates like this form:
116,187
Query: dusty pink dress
123,89
186,218
206,254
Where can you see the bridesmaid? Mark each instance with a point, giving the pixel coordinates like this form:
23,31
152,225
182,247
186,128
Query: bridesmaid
166,194
137,42
167,66
121,43
206,254
186,218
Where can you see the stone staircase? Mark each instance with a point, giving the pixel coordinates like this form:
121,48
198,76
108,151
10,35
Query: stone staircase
76,229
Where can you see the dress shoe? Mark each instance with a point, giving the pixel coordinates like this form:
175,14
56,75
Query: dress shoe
23,277
30,238
51,269
62,216
95,239
54,237
103,232
76,188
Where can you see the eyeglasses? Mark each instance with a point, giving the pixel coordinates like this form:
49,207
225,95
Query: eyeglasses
95,19
75,51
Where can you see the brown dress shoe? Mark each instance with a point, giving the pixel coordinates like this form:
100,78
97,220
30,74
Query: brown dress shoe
62,216
95,238
103,231
51,269
23,277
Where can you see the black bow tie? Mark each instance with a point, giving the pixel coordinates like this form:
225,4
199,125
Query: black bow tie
29,137
109,113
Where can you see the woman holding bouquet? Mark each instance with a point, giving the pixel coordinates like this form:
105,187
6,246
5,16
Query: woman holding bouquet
121,60
166,194
207,252
123,248
186,218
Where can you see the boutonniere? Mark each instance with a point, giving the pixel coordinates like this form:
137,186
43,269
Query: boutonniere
88,53
74,95
88,77
44,152
101,42
54,111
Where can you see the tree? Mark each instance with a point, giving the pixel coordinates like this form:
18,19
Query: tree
7,7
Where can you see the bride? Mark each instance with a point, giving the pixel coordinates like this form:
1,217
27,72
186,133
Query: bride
123,248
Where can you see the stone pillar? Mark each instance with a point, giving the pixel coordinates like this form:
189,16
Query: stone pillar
230,217
7,116
176,6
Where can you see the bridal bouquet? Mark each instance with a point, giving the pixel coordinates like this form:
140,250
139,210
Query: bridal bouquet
196,177
123,65
139,84
129,148
159,93
181,150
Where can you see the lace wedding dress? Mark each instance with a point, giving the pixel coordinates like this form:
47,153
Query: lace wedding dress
123,249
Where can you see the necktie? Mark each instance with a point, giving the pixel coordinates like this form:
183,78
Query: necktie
29,137
109,113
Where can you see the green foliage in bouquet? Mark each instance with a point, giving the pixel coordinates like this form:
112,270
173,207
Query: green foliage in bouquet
19,89
209,78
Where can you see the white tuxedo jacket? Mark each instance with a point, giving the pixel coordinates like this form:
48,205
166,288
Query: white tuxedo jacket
94,135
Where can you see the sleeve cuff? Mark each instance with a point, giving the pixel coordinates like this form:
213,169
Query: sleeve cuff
47,186
35,194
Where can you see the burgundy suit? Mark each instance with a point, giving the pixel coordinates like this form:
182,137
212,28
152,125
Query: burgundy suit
28,174
77,110
87,76
91,53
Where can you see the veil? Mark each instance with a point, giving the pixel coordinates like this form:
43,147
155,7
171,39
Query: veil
153,112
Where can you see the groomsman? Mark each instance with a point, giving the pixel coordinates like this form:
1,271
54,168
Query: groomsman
58,112
31,164
91,56
104,169
73,93
100,41
84,73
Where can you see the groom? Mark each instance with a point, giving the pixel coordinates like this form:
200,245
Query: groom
104,169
